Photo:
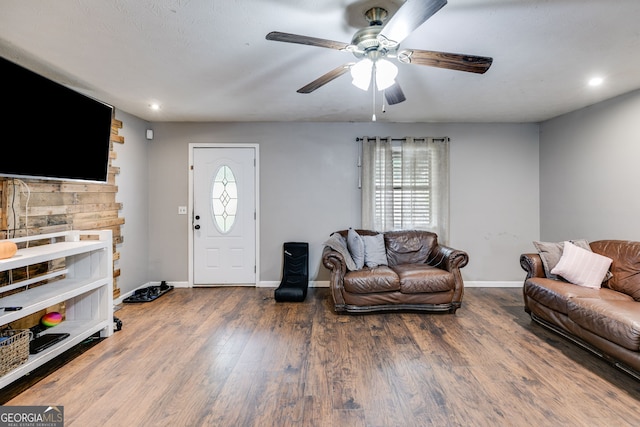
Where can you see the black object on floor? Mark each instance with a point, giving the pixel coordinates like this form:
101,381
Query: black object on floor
43,342
149,293
295,273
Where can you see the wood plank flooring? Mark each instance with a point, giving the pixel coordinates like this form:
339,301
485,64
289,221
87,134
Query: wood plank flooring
235,357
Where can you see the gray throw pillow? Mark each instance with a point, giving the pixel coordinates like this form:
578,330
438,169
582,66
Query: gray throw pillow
375,253
551,252
339,244
355,244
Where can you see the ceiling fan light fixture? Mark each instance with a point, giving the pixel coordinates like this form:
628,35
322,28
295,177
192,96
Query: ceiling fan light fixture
361,74
386,73
381,39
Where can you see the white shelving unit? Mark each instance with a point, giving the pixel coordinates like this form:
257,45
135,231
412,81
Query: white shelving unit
86,289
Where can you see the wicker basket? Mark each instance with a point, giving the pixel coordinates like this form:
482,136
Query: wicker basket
14,349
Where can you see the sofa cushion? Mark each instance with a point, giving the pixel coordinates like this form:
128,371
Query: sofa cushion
409,247
419,278
582,267
625,268
355,244
375,253
371,280
551,252
617,321
555,294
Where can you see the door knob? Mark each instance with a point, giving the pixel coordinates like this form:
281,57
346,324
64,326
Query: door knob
197,227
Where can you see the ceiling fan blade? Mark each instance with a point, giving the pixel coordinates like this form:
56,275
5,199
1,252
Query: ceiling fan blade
325,78
452,61
410,16
310,41
394,94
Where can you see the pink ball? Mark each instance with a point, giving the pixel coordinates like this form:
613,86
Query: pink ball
51,319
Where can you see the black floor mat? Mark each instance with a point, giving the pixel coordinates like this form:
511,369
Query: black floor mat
149,293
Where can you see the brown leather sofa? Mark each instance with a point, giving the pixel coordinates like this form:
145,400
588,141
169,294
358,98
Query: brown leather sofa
421,275
605,320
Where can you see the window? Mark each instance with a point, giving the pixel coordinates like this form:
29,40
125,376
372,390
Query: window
224,199
405,184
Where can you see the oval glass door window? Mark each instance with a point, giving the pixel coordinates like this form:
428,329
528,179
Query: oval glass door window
224,199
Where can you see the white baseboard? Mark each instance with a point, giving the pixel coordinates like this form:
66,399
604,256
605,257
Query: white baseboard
312,284
178,284
492,284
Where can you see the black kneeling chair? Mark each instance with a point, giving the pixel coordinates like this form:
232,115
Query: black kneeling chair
295,273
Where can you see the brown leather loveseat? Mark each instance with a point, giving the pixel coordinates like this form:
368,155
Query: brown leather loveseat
604,320
419,274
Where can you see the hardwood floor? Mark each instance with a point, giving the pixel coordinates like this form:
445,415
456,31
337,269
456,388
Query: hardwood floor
235,357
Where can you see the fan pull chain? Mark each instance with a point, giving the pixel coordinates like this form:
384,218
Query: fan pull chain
384,104
373,118
373,92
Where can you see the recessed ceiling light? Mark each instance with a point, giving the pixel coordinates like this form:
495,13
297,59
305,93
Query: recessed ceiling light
154,106
596,81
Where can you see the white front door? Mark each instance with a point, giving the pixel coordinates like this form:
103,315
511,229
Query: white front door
224,216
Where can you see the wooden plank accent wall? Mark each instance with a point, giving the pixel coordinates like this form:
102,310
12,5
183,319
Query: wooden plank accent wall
29,206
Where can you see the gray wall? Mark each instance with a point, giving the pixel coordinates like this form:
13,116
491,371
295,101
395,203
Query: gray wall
133,187
509,186
308,185
589,172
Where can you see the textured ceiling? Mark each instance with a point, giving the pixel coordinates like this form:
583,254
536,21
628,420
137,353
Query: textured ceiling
207,60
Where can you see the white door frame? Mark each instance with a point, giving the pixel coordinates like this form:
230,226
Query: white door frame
190,204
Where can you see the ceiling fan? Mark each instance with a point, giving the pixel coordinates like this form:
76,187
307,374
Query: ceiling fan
372,46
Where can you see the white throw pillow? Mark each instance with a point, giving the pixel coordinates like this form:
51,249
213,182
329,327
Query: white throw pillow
550,253
582,267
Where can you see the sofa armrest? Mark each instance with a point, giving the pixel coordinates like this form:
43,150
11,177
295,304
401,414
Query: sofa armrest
448,258
532,264
334,261
452,260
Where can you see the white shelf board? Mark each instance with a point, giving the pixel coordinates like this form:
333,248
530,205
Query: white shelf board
42,297
43,253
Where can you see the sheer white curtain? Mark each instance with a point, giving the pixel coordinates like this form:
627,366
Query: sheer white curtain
405,184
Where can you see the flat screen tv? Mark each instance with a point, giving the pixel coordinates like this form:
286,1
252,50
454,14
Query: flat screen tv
50,131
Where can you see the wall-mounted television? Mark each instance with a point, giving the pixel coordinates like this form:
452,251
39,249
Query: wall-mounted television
50,131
